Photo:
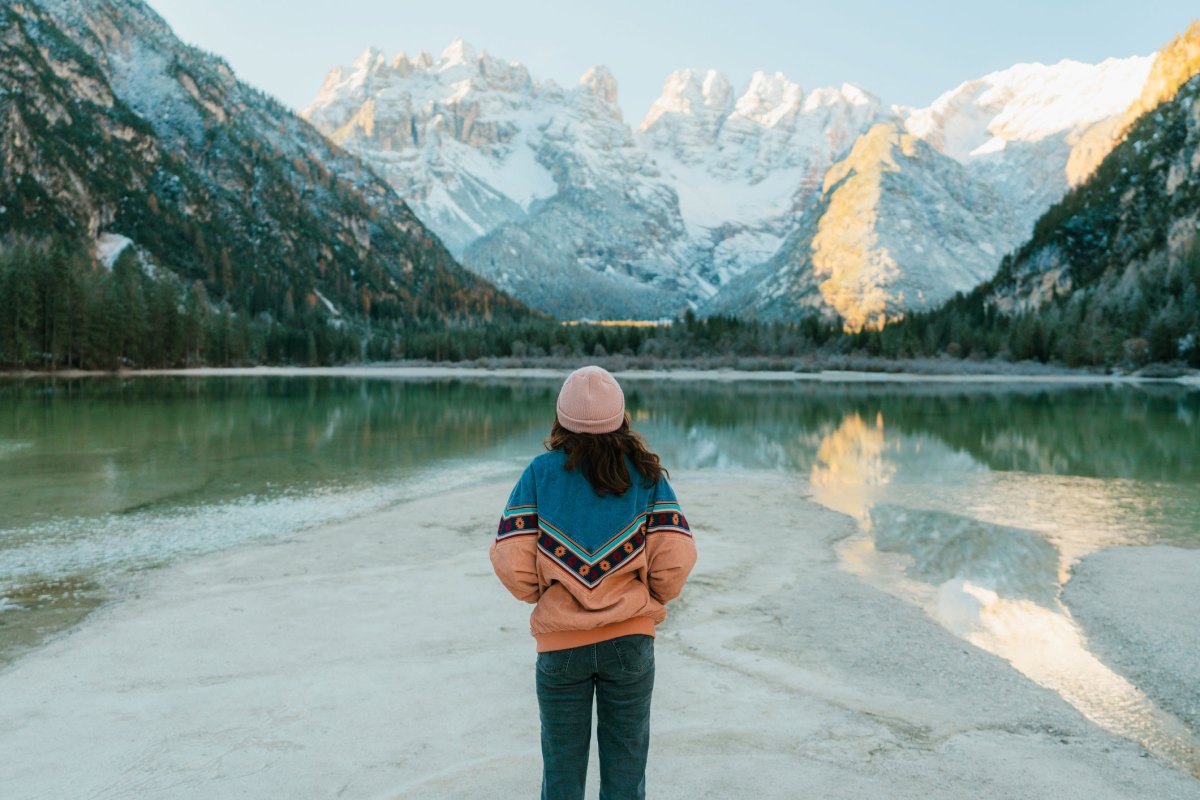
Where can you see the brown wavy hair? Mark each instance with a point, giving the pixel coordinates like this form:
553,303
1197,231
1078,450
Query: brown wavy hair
601,456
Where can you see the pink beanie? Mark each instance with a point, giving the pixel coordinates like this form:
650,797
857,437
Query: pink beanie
591,401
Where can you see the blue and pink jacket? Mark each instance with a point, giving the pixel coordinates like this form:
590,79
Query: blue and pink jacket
597,567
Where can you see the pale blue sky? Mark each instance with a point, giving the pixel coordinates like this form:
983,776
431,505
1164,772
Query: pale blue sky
906,52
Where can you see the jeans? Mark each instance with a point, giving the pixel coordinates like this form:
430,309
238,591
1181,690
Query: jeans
621,673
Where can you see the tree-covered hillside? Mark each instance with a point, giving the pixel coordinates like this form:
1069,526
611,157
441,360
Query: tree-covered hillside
1111,274
239,213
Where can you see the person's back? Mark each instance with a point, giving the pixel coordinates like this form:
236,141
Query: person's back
593,534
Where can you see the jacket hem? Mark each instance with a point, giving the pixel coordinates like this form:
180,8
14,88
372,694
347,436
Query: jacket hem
561,640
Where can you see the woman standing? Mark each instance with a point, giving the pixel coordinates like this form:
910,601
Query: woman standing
593,534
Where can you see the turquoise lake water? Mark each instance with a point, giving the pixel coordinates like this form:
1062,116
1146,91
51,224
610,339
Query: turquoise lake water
961,491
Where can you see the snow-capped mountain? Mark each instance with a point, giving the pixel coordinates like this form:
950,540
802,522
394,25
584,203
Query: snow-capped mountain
708,204
744,166
926,207
1025,130
898,226
541,188
453,137
1135,219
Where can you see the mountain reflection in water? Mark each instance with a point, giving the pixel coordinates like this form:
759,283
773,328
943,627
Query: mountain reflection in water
925,535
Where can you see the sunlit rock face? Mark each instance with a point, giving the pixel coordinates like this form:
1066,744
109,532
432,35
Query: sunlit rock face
898,226
714,202
1170,69
895,201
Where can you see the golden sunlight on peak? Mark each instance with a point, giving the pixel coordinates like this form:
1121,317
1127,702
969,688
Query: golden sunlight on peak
854,269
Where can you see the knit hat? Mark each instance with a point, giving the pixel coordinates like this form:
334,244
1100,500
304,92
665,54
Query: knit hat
591,401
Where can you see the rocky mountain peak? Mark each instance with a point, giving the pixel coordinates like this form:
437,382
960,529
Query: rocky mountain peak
703,97
599,82
530,183
1027,103
370,60
856,95
769,98
458,52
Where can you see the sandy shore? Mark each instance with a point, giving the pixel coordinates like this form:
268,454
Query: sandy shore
1140,610
380,658
718,375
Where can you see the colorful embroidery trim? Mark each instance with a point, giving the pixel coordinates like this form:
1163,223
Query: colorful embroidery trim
520,523
590,567
586,571
666,516
580,550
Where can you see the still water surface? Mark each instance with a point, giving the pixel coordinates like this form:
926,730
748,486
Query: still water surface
972,501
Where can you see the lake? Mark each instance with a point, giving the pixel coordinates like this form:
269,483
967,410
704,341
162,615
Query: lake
968,497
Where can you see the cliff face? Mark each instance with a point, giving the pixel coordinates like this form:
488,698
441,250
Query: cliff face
551,194
892,201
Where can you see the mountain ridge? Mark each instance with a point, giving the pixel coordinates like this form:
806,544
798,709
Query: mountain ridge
711,185
1111,273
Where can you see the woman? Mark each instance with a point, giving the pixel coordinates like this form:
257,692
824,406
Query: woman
593,534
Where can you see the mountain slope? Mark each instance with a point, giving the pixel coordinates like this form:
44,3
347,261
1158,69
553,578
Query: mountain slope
608,242
898,226
549,193
1111,273
110,125
1139,207
1025,130
745,166
453,138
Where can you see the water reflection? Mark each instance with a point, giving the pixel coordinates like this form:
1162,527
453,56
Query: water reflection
943,547
995,585
103,475
850,467
91,448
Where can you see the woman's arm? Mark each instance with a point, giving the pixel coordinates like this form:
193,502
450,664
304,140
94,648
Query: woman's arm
514,561
514,550
670,546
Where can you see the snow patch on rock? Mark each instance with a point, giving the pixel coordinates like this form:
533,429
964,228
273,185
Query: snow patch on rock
110,246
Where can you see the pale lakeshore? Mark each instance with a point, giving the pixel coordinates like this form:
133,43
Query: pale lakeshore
379,657
1047,376
1138,607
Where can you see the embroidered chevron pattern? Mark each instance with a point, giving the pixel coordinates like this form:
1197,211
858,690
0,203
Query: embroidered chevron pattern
590,567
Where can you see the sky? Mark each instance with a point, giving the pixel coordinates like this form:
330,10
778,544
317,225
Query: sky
904,52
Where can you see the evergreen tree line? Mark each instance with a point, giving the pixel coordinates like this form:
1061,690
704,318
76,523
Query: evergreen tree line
60,309
1127,320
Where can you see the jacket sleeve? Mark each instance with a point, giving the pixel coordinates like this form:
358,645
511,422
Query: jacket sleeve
670,547
514,549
